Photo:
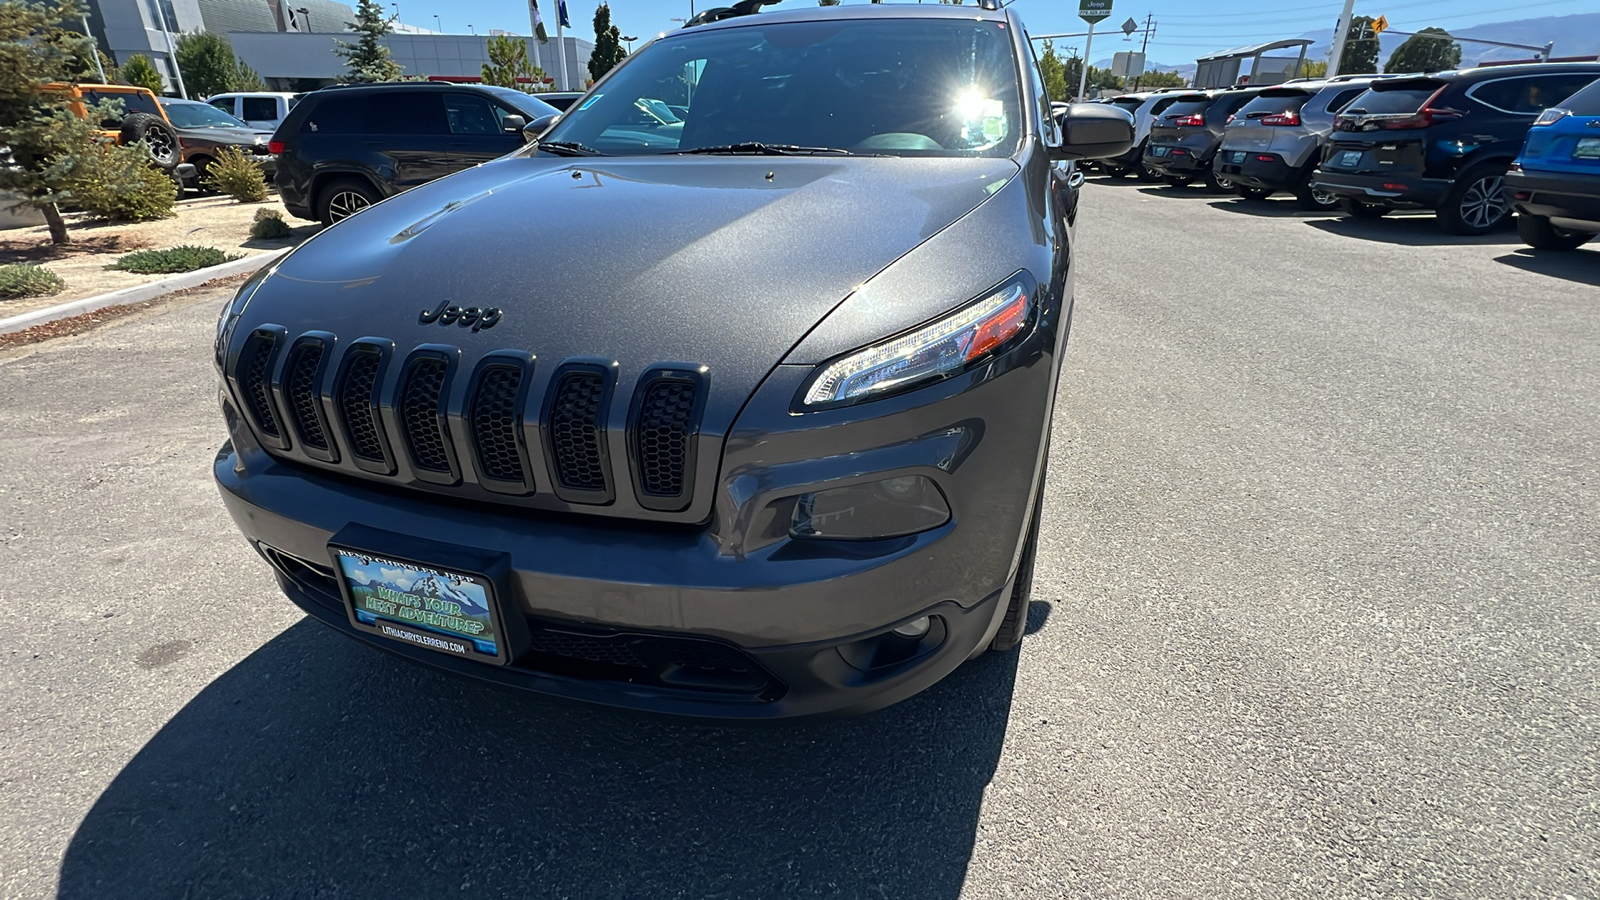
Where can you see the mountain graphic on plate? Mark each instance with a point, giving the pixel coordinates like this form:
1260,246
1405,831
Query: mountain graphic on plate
440,589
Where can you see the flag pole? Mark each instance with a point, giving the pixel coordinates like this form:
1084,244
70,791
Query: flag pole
561,50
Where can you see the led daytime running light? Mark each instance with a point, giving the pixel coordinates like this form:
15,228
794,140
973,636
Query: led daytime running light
933,351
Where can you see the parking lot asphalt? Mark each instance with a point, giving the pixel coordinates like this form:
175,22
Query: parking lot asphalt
1315,616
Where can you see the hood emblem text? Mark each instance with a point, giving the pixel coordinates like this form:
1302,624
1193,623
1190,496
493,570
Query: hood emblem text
465,316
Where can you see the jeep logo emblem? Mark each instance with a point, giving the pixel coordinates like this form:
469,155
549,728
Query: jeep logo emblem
465,316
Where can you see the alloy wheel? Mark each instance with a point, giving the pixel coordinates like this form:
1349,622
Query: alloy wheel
346,204
1323,198
160,147
1224,182
1484,202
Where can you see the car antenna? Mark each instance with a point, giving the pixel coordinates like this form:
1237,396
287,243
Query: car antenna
717,14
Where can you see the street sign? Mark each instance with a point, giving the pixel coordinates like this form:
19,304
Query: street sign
1092,11
1127,64
1379,25
1130,26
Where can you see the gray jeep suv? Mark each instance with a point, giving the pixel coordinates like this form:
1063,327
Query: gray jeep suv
739,410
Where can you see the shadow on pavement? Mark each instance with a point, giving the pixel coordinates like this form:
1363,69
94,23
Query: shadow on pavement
1421,230
1271,209
1581,266
319,767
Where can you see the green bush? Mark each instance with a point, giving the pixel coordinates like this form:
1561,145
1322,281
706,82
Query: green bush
269,225
175,259
21,280
235,173
119,183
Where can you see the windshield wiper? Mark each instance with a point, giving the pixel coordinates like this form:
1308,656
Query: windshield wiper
568,148
756,148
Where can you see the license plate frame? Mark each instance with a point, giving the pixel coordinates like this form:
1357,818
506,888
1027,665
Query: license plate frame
1350,159
422,604
1586,148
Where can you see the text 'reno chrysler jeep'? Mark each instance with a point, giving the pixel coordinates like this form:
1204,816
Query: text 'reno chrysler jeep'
729,397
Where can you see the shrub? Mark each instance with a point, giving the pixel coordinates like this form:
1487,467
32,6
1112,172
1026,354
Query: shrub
235,173
119,183
175,259
269,225
27,280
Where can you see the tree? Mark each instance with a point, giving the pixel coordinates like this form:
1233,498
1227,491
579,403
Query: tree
1158,79
508,62
1425,54
1099,79
1360,48
247,79
607,44
1055,73
37,129
139,71
368,59
1314,69
206,61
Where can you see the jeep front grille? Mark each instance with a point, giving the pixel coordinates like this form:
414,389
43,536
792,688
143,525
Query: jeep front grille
496,423
419,411
507,437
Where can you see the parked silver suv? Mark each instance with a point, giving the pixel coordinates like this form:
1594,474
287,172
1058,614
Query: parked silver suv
1275,142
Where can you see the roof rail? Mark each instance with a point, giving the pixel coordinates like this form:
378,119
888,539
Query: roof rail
717,14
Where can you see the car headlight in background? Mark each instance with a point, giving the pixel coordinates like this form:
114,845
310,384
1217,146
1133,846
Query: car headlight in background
937,350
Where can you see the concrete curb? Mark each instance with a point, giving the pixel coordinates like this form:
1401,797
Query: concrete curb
140,292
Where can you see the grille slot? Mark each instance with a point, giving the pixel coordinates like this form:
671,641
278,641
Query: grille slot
495,405
419,413
305,362
692,664
355,397
255,365
665,422
575,433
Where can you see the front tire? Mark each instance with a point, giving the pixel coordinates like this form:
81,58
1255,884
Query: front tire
1220,184
1314,200
1538,233
1250,193
1477,203
1177,181
1359,210
1015,624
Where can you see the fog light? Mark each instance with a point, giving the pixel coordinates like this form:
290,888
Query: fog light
893,507
915,628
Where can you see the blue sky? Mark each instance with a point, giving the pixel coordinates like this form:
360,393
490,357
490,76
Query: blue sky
1183,31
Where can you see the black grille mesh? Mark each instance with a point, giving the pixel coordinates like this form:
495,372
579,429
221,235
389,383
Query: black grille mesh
663,435
255,363
355,405
302,384
419,410
494,422
575,431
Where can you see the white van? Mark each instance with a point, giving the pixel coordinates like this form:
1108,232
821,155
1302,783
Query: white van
261,109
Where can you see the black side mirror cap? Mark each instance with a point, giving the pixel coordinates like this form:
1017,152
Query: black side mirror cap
536,129
1093,131
513,123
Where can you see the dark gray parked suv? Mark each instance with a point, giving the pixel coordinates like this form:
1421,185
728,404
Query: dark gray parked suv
737,412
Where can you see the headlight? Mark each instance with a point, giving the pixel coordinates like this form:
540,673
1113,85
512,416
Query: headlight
937,350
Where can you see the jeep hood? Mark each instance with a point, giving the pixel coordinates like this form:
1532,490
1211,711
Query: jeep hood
725,262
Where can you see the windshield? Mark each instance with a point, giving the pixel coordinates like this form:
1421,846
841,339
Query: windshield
530,107
903,87
200,115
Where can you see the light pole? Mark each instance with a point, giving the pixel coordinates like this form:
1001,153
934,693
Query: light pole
629,40
172,51
98,66
307,13
437,23
470,31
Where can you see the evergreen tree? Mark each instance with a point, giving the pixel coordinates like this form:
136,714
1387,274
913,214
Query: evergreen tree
37,130
508,62
1360,48
607,44
1420,54
206,60
247,79
1055,74
139,71
369,60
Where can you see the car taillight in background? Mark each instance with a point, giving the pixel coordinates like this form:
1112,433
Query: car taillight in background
274,146
1190,119
1284,118
1551,116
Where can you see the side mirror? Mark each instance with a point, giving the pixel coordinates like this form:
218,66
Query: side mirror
1093,131
513,123
536,129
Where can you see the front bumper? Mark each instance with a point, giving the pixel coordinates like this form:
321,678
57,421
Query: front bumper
1569,201
1398,190
1257,170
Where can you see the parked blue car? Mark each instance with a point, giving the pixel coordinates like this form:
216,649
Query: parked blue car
1555,183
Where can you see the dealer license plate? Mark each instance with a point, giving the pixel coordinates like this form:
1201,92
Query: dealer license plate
1236,157
1158,151
1350,159
1587,148
438,609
